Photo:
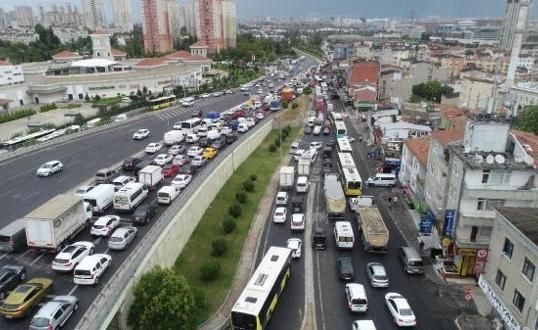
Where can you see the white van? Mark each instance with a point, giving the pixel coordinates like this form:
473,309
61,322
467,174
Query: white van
130,196
202,131
167,194
302,184
213,134
250,122
100,197
294,147
356,297
343,235
382,180
242,128
91,268
173,137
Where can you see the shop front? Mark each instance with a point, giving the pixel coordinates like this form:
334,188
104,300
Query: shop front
470,261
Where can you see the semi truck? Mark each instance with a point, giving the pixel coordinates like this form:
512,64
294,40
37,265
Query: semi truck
52,224
335,199
372,229
287,177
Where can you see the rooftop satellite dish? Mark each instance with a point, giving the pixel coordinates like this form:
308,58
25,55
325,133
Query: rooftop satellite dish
479,159
500,159
490,159
529,160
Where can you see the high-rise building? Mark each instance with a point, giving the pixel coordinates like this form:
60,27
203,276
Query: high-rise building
123,20
3,20
92,13
156,25
60,17
516,12
216,24
24,15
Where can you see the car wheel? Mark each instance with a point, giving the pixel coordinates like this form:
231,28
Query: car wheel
23,276
405,269
2,295
75,307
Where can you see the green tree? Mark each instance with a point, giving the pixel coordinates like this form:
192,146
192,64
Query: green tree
162,300
527,119
432,90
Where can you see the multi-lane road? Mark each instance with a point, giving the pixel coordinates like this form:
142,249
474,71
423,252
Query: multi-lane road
436,306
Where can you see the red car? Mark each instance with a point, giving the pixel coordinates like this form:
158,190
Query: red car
170,170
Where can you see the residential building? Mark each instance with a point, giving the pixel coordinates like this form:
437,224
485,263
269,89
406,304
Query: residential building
216,24
510,281
60,17
363,82
25,16
524,94
514,8
156,25
342,52
198,48
362,50
476,92
123,20
92,14
3,20
413,168
101,44
229,23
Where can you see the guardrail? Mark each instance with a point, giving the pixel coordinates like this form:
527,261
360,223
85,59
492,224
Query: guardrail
103,309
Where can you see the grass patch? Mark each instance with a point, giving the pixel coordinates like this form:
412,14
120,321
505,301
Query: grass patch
107,101
48,107
71,106
198,250
290,114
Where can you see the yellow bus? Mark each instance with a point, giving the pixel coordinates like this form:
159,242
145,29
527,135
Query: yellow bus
351,181
162,102
257,302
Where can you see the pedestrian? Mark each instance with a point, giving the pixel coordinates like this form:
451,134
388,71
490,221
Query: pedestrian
395,200
360,138
390,200
421,247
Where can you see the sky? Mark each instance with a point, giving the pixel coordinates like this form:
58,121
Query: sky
321,8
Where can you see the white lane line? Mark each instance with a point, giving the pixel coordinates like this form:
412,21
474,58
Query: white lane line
37,259
26,252
3,255
320,293
72,290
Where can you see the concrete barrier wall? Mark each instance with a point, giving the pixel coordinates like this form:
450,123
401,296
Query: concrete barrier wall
166,239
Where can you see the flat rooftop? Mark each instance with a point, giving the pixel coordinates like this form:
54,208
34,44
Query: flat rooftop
525,219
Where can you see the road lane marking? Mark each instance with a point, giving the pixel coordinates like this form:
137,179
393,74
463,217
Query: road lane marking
37,259
309,287
72,290
26,252
3,256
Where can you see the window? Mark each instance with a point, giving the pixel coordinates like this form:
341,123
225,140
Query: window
485,176
500,279
518,300
474,233
481,204
494,203
508,248
452,192
455,167
528,269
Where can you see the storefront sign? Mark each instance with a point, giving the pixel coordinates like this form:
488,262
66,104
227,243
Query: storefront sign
497,303
96,88
426,222
449,223
466,252
480,263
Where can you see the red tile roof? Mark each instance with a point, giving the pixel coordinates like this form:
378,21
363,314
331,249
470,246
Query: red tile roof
186,56
66,54
365,94
99,32
117,52
2,62
448,136
531,140
199,44
148,62
420,148
364,72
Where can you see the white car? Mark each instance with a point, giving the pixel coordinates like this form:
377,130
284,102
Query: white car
121,181
71,255
163,159
363,325
202,131
316,145
377,274
204,96
401,311
195,151
217,94
180,160
297,222
279,216
225,130
141,134
105,225
260,116
49,168
192,138
153,148
176,150
295,245
281,198
91,268
198,161
122,237
181,181
82,190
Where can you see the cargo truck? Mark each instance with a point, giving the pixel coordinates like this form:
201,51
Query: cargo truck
151,176
372,229
335,199
173,137
303,166
52,224
287,177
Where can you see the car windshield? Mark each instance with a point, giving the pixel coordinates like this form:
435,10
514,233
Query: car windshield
45,166
416,263
82,272
40,322
406,312
380,277
97,226
115,239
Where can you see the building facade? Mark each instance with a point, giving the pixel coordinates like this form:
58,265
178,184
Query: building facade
414,166
216,24
476,92
509,281
156,25
25,16
101,44
123,20
92,14
514,8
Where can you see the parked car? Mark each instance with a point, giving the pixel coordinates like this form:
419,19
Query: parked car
71,255
91,268
121,181
163,159
25,297
144,213
141,134
195,151
55,313
180,160
122,237
209,153
105,225
176,150
130,163
181,181
49,168
204,96
279,216
296,246
377,275
10,277
400,310
344,267
170,170
153,148
297,222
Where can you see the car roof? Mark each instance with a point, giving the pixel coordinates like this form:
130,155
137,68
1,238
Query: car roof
91,260
356,289
49,309
282,193
121,231
294,242
399,300
281,208
378,268
103,219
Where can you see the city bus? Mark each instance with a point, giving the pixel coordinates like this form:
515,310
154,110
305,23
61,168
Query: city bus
162,102
258,300
345,160
340,129
343,145
351,181
335,116
191,125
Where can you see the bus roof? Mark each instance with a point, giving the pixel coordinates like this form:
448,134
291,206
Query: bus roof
344,145
343,227
162,98
351,174
262,281
346,160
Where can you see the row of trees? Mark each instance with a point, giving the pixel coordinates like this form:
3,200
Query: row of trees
251,49
431,91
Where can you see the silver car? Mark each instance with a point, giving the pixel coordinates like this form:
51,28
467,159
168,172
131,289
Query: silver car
122,237
377,275
55,313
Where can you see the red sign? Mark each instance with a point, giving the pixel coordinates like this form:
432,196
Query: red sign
469,291
480,261
468,297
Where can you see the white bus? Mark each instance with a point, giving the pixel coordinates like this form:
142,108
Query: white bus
351,181
130,196
190,126
336,117
340,129
343,235
258,300
345,160
343,145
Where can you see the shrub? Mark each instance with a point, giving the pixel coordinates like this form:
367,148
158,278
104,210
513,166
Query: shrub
285,104
228,225
210,271
294,105
235,210
277,142
272,148
241,197
253,177
17,114
248,185
219,247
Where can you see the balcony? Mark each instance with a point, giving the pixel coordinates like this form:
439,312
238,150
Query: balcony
500,192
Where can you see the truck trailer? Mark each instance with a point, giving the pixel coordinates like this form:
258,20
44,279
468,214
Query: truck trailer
335,199
373,231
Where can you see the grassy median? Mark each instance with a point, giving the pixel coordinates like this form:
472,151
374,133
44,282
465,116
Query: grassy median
198,250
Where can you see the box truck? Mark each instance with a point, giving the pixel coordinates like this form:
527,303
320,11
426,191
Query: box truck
287,177
372,229
303,166
173,137
151,176
335,199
